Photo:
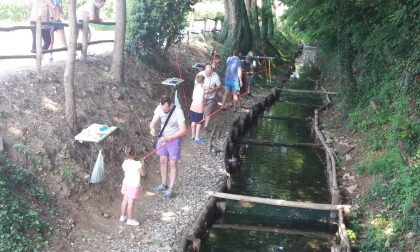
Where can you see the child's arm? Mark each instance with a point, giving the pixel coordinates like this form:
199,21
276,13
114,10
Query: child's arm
143,171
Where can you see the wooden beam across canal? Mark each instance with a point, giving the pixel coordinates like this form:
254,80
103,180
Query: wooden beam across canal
280,202
269,143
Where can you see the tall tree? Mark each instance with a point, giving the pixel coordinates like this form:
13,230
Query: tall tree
117,67
70,96
236,29
252,10
267,22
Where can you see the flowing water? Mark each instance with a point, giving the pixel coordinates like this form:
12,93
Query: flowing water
289,173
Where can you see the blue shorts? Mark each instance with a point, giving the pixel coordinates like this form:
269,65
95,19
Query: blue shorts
195,117
232,86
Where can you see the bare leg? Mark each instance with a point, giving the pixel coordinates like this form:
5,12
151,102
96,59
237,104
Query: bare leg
197,131
52,43
52,40
62,37
193,129
225,95
235,101
173,164
206,122
164,168
130,208
124,206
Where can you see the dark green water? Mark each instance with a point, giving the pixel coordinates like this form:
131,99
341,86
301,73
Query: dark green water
288,173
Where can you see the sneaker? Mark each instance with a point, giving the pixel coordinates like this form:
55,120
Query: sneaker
200,140
160,188
169,193
206,130
123,218
132,222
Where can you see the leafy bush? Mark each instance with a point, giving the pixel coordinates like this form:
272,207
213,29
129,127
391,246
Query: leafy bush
15,11
371,50
23,206
153,26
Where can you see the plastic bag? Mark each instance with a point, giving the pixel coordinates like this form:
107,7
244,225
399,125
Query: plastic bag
99,170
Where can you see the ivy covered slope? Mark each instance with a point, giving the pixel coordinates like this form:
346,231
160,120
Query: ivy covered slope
371,48
24,206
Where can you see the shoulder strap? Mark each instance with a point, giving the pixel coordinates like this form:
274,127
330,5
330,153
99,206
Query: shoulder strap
166,122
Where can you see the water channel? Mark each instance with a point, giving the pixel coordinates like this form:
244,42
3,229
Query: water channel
289,173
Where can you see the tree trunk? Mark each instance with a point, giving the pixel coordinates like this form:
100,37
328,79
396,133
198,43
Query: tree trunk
69,91
236,29
117,67
252,10
267,19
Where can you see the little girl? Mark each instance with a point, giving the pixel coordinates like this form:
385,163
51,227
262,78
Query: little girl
197,109
131,185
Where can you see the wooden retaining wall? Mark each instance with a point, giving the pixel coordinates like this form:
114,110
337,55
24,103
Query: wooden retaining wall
192,239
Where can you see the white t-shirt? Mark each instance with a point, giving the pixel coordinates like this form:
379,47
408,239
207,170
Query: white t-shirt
197,99
131,172
173,123
86,10
211,81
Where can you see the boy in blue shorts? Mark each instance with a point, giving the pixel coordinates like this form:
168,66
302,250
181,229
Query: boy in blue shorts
233,79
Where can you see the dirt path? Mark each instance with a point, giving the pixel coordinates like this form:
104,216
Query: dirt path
87,217
163,221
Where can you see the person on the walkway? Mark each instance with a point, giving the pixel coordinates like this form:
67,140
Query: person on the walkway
216,62
197,109
171,139
133,170
91,9
43,9
57,24
247,74
211,85
233,79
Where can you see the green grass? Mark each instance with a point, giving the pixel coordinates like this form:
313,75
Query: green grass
392,204
98,27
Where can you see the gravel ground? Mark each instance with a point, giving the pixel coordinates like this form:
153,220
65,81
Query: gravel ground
163,222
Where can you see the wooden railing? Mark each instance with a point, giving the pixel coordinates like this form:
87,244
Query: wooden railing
38,39
192,29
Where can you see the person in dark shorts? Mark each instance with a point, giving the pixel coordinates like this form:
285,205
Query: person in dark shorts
197,109
247,75
43,9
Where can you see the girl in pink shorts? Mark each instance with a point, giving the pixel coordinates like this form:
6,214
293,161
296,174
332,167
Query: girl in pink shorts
131,185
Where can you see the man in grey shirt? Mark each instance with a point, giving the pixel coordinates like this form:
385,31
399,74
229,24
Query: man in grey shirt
211,85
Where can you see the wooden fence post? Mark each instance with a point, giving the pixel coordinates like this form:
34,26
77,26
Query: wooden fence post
85,41
215,24
205,25
38,43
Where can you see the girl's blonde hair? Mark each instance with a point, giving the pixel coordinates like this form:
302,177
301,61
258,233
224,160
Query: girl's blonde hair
129,151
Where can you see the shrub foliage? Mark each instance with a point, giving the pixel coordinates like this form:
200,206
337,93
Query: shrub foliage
155,25
23,207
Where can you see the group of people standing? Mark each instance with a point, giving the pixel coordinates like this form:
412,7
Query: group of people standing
52,11
239,74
